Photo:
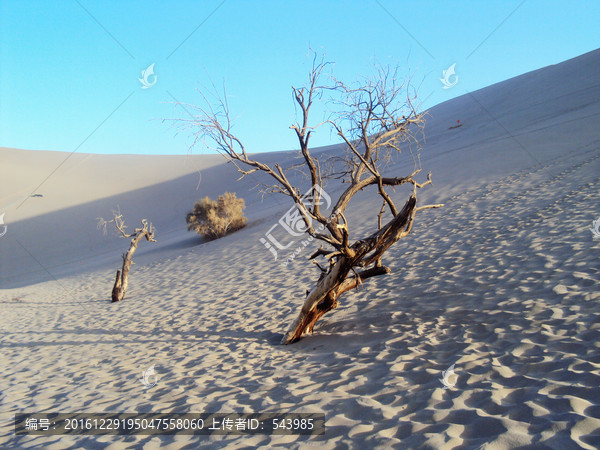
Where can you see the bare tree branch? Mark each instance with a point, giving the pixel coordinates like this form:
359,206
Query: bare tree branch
146,231
374,119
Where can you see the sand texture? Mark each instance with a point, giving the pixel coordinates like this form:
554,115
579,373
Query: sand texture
502,283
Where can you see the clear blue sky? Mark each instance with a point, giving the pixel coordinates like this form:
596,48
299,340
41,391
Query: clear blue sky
69,69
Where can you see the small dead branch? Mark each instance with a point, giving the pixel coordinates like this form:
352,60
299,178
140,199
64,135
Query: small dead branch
146,231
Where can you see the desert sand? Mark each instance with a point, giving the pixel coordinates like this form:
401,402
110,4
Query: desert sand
502,282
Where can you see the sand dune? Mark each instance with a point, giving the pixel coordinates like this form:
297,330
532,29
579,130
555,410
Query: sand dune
502,283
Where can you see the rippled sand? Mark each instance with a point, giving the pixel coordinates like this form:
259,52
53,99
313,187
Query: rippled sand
502,283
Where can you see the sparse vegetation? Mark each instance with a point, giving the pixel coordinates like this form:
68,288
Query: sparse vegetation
215,219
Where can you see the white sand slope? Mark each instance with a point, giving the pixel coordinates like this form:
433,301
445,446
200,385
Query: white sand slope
502,282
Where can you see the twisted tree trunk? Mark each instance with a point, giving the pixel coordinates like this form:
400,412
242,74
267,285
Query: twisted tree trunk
332,284
122,279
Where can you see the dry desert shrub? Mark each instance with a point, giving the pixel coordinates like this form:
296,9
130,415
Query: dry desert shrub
214,219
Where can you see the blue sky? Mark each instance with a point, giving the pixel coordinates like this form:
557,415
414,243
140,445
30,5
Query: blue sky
69,70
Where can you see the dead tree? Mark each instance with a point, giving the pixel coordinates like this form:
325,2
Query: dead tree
373,119
146,231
